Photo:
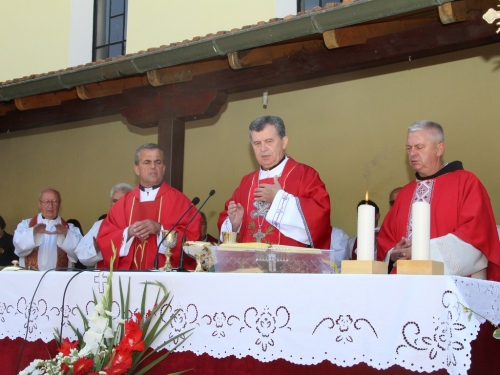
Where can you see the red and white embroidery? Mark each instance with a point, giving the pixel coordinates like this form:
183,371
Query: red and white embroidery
423,193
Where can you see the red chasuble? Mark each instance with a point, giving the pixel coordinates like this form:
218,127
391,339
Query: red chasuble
459,205
167,208
302,182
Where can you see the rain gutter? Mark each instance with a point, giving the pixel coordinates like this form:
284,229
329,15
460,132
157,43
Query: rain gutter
220,45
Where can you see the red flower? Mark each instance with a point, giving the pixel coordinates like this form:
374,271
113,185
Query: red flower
123,355
133,336
131,327
138,316
64,368
117,369
67,346
82,366
149,311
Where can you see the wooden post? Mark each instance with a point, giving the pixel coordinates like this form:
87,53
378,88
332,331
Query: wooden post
171,134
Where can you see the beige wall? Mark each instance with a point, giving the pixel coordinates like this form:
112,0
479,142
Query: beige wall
351,128
164,22
32,43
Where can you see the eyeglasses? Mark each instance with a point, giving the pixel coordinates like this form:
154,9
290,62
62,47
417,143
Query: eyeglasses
48,203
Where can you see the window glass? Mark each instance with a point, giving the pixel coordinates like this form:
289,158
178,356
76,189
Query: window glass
117,7
116,29
110,23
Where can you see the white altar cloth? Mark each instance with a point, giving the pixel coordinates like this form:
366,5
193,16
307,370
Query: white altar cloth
416,322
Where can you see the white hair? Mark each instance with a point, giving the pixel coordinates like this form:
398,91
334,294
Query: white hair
436,129
121,186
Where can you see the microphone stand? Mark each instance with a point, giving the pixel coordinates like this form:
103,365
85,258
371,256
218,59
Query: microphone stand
194,202
181,260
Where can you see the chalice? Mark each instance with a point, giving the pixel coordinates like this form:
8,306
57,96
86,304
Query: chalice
169,242
197,250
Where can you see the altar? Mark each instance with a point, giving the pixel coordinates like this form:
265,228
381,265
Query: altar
309,322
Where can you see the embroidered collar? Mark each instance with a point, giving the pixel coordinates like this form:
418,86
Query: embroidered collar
149,188
450,167
274,166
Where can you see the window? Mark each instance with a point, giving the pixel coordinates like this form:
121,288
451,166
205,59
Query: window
110,29
303,5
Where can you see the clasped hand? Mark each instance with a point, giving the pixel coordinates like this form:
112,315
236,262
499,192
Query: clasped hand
402,250
143,229
42,228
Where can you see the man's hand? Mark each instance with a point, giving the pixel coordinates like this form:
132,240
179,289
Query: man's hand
235,213
40,229
267,192
61,229
402,250
143,229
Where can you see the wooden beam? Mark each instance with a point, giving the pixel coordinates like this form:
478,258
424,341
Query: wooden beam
171,136
353,35
7,107
266,55
50,99
142,107
182,73
426,41
111,87
459,11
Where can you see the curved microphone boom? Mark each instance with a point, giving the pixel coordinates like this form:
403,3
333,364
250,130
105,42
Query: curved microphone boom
181,261
194,202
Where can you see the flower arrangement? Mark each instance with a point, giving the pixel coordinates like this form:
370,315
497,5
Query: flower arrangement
111,346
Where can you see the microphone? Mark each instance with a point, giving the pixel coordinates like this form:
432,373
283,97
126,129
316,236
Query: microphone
194,202
181,261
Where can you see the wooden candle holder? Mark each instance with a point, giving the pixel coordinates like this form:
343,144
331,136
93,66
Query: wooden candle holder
419,267
367,267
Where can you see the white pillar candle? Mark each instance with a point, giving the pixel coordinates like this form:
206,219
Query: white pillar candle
366,232
421,231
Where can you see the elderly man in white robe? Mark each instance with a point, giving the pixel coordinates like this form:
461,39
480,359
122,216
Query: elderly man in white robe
46,241
88,251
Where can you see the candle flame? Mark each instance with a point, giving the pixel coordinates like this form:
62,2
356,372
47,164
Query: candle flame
366,197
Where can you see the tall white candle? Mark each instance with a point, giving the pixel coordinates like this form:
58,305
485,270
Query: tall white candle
366,232
421,231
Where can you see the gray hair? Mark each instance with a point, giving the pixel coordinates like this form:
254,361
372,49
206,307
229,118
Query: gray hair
50,189
436,129
121,186
147,146
258,125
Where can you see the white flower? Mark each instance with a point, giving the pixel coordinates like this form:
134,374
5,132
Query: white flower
90,348
31,368
98,324
99,308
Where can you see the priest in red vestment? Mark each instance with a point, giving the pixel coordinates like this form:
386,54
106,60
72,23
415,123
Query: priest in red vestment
135,223
284,202
463,233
